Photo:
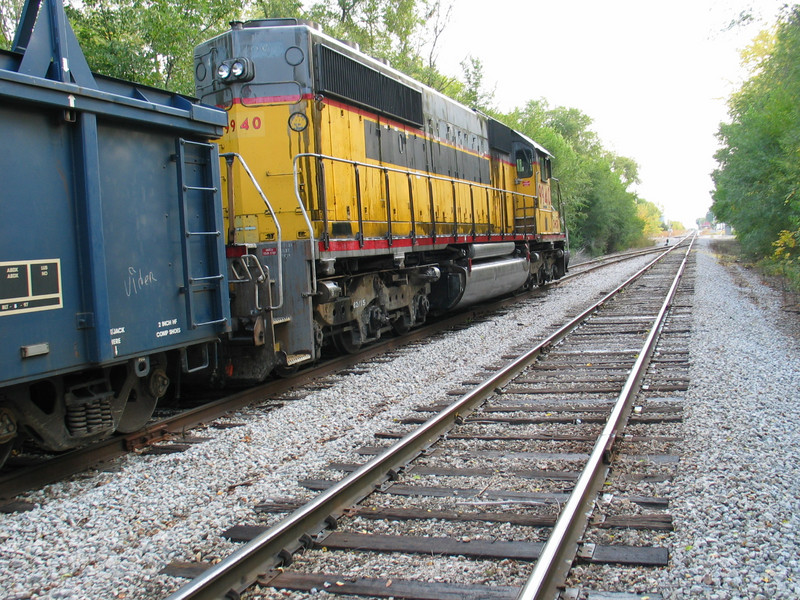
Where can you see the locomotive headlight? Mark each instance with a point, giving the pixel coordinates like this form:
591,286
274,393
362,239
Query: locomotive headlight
237,69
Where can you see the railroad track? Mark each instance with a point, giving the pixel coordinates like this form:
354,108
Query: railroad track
34,472
516,437
586,266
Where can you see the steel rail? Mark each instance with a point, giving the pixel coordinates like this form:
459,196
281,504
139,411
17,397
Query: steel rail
620,256
276,545
592,265
560,549
15,482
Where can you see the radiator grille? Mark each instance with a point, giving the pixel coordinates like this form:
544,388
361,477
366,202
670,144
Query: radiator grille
341,76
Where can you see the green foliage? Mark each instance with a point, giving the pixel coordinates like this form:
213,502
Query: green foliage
275,9
381,28
472,92
785,259
602,215
610,222
9,15
650,215
759,162
420,62
406,33
112,42
152,41
149,41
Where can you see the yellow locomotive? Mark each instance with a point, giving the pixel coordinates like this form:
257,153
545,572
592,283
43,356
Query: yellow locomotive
358,200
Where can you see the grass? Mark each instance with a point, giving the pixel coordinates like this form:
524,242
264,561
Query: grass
780,275
728,250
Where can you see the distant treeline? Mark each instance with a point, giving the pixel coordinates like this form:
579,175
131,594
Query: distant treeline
152,42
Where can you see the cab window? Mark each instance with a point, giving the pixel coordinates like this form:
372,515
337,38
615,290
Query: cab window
545,168
524,160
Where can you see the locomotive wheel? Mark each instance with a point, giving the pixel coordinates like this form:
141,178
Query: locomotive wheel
319,339
8,431
5,452
343,340
542,277
402,324
558,269
282,371
142,394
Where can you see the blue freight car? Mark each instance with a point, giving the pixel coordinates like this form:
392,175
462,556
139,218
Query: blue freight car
112,266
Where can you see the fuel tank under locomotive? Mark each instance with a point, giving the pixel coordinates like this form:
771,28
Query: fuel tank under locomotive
485,271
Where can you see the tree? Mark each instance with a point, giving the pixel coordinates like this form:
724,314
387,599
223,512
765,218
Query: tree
651,217
9,16
759,170
149,41
272,9
407,34
112,40
609,222
626,168
422,58
381,28
601,213
471,92
575,125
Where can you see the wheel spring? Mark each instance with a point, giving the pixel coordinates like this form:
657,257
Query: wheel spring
89,409
89,418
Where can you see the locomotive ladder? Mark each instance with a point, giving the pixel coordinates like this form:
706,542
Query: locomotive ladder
203,155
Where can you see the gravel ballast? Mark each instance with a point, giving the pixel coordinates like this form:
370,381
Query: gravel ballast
107,535
736,500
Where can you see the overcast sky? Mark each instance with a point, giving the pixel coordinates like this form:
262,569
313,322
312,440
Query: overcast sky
654,75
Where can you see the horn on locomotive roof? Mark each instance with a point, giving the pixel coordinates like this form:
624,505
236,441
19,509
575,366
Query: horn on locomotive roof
49,46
